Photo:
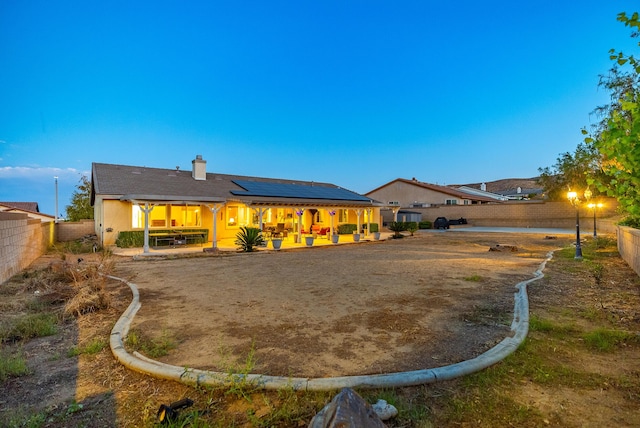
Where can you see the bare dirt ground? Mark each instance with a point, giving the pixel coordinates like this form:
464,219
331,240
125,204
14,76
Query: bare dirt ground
405,304
418,302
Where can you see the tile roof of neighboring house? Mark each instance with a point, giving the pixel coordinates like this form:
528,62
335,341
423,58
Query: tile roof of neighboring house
171,185
437,188
25,206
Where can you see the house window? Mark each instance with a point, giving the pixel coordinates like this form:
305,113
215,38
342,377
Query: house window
185,216
451,202
157,217
237,216
343,216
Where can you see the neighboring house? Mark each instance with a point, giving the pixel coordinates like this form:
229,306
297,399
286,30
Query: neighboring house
478,192
511,188
412,193
129,198
519,193
30,208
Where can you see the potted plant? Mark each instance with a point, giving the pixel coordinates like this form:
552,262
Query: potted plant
334,238
376,236
276,243
309,240
356,237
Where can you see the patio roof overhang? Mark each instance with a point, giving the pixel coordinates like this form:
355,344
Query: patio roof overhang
296,202
172,199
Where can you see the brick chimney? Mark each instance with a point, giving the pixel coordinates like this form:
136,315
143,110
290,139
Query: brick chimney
199,168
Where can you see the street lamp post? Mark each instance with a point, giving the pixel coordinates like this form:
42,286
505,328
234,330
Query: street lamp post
56,213
595,207
573,198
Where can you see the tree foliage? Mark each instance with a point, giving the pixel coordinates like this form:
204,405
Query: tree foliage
80,207
572,171
617,135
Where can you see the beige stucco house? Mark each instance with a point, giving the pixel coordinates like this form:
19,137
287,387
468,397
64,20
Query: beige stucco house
412,193
400,195
135,198
31,209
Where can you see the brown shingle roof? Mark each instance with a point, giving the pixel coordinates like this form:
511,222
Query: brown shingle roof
437,188
26,206
131,182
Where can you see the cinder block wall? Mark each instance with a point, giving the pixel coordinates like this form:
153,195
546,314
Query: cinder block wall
72,230
524,214
22,240
629,246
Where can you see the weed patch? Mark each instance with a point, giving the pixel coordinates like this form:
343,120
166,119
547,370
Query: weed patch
606,340
12,365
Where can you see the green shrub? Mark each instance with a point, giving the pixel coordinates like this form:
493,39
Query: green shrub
412,226
374,227
425,224
248,238
135,238
347,228
130,238
396,227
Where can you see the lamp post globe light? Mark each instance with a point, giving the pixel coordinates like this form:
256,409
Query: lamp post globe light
594,206
573,198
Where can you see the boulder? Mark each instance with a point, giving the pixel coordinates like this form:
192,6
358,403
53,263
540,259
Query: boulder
503,247
384,410
347,410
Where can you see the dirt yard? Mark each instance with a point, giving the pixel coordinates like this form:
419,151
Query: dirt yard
418,302
406,304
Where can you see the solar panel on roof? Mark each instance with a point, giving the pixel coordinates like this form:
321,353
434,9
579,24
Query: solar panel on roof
288,190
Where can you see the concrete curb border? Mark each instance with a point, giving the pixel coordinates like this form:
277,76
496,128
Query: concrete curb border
191,376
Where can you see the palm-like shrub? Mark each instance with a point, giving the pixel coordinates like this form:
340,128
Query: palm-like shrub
396,227
412,226
248,238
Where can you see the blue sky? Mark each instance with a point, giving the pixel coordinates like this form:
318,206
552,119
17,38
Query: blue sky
355,93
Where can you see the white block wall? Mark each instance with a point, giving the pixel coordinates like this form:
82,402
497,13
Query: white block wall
22,240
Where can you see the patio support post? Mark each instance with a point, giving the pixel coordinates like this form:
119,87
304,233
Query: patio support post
331,214
369,210
260,211
299,212
214,210
147,209
358,213
395,213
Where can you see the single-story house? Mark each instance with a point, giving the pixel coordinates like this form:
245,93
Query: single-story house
30,208
135,198
412,193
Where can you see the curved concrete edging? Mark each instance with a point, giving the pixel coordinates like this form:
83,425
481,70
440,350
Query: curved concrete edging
140,363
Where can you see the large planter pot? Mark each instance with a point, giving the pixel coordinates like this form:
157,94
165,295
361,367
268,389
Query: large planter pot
335,238
276,243
376,235
356,237
309,240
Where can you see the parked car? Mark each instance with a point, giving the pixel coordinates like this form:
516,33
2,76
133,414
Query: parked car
441,223
461,220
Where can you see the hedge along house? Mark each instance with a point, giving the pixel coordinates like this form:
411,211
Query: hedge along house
209,206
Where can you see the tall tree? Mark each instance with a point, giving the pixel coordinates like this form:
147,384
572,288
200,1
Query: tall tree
80,207
617,136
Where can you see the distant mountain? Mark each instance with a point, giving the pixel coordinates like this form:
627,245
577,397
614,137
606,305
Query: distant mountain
506,184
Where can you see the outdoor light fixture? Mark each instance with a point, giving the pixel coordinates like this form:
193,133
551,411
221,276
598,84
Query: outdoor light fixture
573,198
594,206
